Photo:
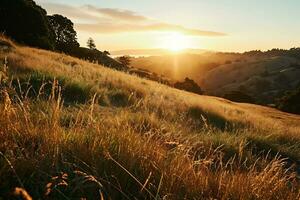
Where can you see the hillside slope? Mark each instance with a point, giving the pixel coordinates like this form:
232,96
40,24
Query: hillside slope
265,79
182,65
70,129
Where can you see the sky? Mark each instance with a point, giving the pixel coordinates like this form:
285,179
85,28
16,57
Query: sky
219,25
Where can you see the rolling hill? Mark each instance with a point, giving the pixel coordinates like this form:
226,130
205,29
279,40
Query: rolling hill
265,79
71,129
264,76
182,65
153,52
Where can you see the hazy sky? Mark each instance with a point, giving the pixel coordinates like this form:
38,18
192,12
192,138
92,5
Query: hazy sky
226,25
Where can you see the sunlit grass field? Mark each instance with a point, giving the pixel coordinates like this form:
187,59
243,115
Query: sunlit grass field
70,129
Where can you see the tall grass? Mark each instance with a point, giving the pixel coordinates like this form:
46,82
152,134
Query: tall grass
134,139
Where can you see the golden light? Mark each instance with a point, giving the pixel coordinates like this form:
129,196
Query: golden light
176,42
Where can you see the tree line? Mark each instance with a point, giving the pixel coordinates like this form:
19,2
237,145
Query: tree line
293,52
28,23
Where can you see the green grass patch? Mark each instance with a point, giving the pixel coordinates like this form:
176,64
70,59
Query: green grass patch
120,98
276,145
41,85
200,117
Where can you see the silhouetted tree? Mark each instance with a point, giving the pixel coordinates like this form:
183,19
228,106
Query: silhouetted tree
254,53
189,85
227,62
125,60
106,52
290,102
91,44
26,22
293,52
65,35
239,96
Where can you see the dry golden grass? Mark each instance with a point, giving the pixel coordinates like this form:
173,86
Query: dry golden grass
131,138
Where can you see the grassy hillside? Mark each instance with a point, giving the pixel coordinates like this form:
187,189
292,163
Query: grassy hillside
154,52
182,65
70,129
265,76
265,79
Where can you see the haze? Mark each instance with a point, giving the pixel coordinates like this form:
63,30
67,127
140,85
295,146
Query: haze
220,25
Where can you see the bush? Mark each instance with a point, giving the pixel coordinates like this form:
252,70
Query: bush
228,62
76,93
290,102
189,85
119,98
239,96
199,116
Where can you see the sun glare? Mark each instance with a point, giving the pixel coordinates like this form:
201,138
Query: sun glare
176,42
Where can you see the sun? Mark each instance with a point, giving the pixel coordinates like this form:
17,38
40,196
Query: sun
176,42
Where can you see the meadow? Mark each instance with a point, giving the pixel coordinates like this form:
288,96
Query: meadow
71,129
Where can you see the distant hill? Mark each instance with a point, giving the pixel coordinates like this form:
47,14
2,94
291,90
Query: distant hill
154,52
182,65
265,76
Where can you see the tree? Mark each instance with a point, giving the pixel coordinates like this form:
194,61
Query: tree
106,52
239,96
125,60
189,85
26,22
91,44
227,62
290,102
65,35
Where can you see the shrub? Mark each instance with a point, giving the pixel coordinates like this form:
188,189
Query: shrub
119,98
189,85
239,96
228,62
75,92
201,117
290,102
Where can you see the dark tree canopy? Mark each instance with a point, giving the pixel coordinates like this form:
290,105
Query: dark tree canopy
65,35
125,60
290,102
239,96
189,85
26,22
106,52
293,52
91,44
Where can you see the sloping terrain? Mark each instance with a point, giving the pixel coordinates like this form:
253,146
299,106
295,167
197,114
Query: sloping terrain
182,65
153,52
70,129
265,79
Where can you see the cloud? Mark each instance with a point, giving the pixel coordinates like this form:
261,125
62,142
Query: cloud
162,27
178,28
68,11
109,20
118,13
